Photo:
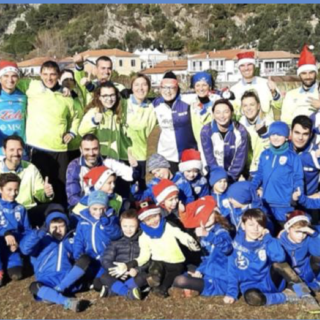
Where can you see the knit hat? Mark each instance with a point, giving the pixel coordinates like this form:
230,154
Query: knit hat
307,61
242,192
157,161
66,75
198,211
164,190
8,66
147,208
202,76
98,197
279,128
217,174
55,211
169,75
294,217
190,159
97,177
245,58
169,78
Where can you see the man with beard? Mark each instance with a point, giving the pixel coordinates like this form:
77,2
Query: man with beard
91,158
305,99
32,188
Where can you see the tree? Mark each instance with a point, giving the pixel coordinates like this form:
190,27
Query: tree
132,40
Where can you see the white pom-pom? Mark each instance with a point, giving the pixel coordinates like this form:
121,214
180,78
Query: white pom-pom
311,47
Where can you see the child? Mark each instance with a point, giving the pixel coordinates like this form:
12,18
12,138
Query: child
159,167
190,172
103,179
210,278
256,266
14,224
159,245
302,245
94,232
123,250
51,252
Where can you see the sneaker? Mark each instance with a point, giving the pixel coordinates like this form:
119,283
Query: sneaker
73,304
291,296
134,294
160,292
58,289
104,292
153,281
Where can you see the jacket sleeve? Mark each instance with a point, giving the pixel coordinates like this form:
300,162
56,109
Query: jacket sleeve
287,109
207,147
233,281
112,227
204,191
309,203
185,193
274,250
183,237
79,243
31,243
26,224
86,124
240,156
314,243
78,75
298,174
73,187
23,84
75,116
152,121
222,240
258,177
145,253
109,256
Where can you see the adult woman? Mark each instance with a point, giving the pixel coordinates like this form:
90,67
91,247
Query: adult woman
138,121
225,142
256,123
102,117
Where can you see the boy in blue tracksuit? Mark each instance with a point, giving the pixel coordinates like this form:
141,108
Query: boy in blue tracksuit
51,253
256,266
159,167
14,224
210,278
190,172
302,246
95,230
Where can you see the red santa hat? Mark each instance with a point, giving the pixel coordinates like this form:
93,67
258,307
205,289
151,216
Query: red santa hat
307,61
294,217
97,177
198,211
190,159
164,190
147,208
245,58
8,66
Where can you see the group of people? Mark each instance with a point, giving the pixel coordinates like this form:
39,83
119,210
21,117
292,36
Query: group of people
232,207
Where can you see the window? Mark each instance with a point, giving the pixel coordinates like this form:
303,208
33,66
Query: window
200,65
269,66
194,65
283,65
133,63
120,63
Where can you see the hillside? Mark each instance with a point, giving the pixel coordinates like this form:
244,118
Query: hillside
63,29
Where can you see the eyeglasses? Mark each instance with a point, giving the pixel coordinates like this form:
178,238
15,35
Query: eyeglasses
108,96
168,88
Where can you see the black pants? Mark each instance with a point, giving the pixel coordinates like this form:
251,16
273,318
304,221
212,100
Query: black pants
189,282
54,166
174,167
36,215
108,280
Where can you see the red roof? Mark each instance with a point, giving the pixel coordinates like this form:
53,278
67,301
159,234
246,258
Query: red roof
108,53
167,65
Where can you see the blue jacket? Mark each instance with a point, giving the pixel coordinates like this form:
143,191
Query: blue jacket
222,202
12,114
185,190
51,259
93,236
13,219
249,265
218,246
176,128
199,185
298,254
280,175
229,153
311,167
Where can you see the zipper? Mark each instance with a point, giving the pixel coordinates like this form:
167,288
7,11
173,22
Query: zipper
59,256
274,159
93,238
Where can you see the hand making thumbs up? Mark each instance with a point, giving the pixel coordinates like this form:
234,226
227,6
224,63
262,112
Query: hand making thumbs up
48,190
272,86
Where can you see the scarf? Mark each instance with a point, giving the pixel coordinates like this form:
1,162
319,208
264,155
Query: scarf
280,150
154,233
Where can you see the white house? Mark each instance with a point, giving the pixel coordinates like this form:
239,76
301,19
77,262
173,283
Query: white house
32,66
149,58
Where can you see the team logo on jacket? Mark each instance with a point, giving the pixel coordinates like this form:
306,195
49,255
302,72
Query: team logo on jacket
197,190
3,220
283,160
225,203
241,261
262,255
17,215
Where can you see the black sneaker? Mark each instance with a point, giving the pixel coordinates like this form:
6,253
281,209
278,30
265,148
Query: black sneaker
74,305
153,281
160,292
104,292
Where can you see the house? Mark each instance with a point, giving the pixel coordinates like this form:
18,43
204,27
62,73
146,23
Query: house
123,62
32,66
149,58
179,67
271,63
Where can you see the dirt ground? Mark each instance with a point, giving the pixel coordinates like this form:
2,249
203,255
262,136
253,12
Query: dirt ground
17,303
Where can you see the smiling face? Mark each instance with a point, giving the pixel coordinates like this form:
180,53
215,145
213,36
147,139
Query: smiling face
247,71
169,89
104,70
222,115
252,229
300,136
202,89
140,89
308,78
90,151
9,191
190,175
49,77
220,186
161,173
277,141
171,203
250,108
97,210
13,153
9,81
152,221
108,97
129,227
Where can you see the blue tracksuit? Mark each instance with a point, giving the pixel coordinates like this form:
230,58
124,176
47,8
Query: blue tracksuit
299,254
218,245
93,236
199,185
222,202
249,265
13,221
185,190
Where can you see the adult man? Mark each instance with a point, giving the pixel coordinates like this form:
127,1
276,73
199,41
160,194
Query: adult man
12,102
174,119
51,125
266,89
305,99
91,158
32,187
104,68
